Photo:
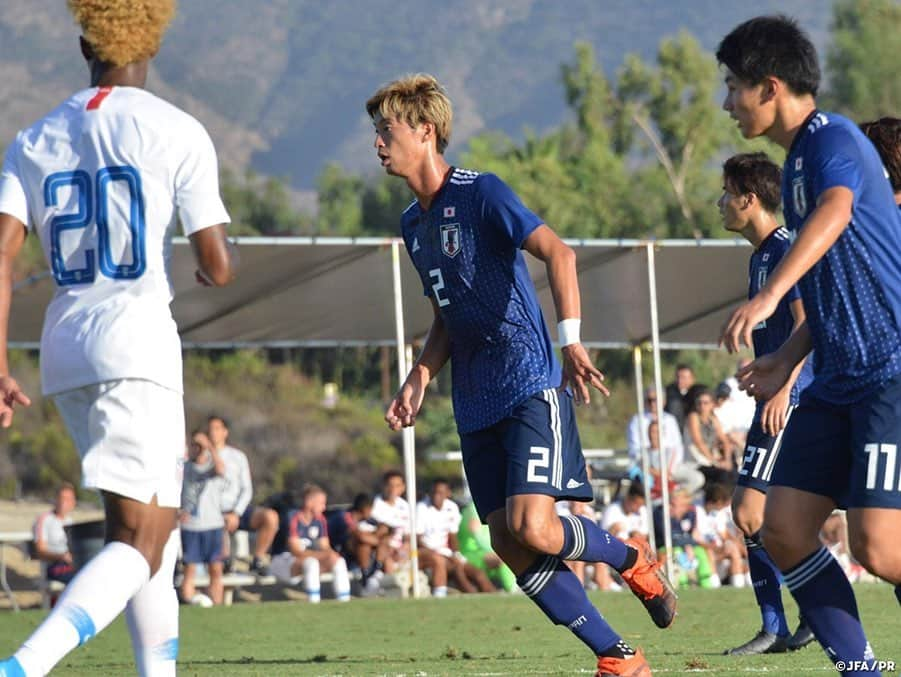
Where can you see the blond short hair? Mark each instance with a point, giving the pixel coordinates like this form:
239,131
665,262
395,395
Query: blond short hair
415,99
123,31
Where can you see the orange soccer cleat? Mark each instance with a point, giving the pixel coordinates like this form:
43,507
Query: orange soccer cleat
633,666
650,585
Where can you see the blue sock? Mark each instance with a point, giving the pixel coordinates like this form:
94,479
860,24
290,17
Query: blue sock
559,594
827,603
585,541
767,587
898,593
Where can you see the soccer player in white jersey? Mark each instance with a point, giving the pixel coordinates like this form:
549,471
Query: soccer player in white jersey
101,180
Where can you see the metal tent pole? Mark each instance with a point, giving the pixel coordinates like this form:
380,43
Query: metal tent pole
658,385
642,427
408,435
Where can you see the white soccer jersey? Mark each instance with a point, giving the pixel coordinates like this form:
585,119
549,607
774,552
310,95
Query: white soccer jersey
434,526
101,180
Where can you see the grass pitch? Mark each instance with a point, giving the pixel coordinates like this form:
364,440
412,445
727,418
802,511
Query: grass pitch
473,635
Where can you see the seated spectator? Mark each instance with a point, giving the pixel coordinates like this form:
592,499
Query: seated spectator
51,546
677,394
202,524
731,418
722,545
680,472
474,540
690,556
392,510
238,511
359,539
704,436
437,524
671,430
310,551
285,504
628,517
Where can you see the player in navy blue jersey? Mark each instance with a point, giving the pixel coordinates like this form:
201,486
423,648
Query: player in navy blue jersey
748,206
514,414
840,445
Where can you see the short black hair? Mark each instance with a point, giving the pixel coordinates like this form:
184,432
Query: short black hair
885,133
717,492
390,474
361,501
441,480
681,366
217,417
772,46
755,173
636,490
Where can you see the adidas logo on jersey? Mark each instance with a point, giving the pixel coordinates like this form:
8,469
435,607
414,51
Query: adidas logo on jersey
572,484
416,246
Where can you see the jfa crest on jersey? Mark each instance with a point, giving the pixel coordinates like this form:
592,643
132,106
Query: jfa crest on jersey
852,295
466,248
450,239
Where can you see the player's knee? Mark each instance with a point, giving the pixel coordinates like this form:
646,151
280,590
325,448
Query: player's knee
748,520
878,556
532,532
270,518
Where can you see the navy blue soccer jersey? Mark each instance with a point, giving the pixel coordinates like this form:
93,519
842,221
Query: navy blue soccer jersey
770,334
466,248
852,295
310,532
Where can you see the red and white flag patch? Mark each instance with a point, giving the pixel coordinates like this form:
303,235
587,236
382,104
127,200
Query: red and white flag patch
450,212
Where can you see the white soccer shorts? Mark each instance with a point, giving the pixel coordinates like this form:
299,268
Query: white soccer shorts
130,434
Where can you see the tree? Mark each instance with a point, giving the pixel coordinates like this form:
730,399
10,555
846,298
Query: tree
261,206
862,62
671,112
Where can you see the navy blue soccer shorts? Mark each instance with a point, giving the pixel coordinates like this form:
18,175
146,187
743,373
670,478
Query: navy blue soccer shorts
846,452
761,452
201,547
535,450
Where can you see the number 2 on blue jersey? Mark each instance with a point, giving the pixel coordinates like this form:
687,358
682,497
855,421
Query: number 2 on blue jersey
91,193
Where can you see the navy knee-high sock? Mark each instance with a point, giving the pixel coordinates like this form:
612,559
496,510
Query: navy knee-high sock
827,603
559,594
585,541
767,582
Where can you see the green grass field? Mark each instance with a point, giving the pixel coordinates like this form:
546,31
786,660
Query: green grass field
491,635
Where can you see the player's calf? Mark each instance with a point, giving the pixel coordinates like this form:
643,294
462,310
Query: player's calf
874,547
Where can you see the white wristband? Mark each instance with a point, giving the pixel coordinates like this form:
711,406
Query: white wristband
568,331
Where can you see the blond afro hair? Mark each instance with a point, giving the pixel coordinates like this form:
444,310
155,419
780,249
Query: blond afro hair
123,31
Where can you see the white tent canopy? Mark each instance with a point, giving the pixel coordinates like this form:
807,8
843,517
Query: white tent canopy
340,291
329,291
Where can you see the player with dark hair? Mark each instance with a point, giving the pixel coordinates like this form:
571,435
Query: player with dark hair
751,197
102,180
521,449
840,445
885,133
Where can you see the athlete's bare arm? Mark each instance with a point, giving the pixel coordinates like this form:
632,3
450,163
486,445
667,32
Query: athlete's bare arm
216,257
821,230
12,236
406,403
775,411
560,260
